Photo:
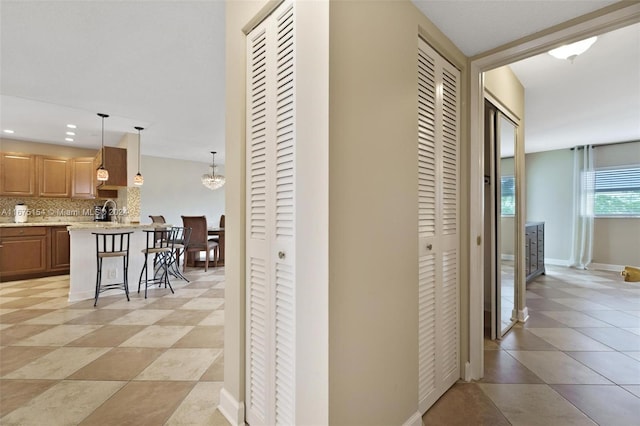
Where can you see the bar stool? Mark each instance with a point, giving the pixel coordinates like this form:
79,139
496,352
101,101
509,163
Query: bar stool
159,245
112,245
180,240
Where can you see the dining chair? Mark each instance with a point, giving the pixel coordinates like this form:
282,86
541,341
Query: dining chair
157,219
199,240
221,225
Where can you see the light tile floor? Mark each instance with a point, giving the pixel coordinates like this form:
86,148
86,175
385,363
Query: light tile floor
575,362
157,361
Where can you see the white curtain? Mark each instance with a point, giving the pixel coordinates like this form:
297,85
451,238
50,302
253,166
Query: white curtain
583,199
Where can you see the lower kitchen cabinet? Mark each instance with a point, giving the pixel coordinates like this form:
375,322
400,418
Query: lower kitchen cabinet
33,252
60,249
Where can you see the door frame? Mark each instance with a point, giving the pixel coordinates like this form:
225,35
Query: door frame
604,20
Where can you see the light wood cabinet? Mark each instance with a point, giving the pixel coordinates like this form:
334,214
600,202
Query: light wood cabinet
83,178
115,161
23,252
54,177
17,175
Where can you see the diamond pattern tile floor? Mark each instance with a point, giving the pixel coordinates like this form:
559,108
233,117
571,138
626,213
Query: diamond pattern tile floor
572,363
155,361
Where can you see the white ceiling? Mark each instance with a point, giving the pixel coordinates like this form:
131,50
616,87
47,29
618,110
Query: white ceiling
160,65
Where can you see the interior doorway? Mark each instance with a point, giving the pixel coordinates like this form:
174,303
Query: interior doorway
617,17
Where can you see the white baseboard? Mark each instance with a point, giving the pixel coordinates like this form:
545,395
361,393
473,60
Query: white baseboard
605,267
231,409
414,420
467,372
556,262
523,314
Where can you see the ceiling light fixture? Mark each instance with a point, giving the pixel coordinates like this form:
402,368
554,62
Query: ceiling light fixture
68,139
102,174
71,133
71,126
570,51
212,180
8,131
138,180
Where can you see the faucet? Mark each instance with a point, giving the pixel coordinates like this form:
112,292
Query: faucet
114,217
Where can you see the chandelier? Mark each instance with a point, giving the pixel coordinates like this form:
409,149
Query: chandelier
212,180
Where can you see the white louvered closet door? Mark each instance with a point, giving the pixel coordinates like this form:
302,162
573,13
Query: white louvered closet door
438,246
270,165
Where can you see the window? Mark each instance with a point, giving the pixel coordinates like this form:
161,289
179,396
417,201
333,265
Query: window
617,192
507,196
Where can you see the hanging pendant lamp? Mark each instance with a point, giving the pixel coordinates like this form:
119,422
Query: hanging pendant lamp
212,180
102,174
138,180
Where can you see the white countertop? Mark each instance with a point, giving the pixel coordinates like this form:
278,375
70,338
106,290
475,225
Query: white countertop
59,223
76,226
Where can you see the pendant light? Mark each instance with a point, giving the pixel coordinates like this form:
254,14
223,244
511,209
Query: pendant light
212,180
102,174
138,180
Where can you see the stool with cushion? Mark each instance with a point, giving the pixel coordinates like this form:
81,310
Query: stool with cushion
112,245
158,244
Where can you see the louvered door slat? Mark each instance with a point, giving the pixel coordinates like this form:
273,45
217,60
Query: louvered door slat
271,188
438,176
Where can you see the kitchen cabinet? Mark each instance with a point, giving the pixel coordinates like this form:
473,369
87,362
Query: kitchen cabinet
115,161
23,252
17,174
59,259
83,178
33,251
54,177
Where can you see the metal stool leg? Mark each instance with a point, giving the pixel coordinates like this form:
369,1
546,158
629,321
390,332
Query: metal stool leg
98,280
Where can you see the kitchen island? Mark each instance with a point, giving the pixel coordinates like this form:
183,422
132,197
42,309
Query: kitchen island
82,275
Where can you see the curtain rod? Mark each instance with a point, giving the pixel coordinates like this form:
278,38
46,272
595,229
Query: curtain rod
605,144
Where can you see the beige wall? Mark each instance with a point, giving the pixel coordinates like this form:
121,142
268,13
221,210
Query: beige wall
616,241
28,147
373,210
504,87
238,14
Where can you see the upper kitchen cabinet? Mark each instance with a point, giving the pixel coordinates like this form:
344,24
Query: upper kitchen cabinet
54,177
115,161
17,174
83,178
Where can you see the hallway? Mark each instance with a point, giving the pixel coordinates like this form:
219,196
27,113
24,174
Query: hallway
576,361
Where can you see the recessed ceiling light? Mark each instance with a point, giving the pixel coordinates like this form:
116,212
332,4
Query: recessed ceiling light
71,133
8,131
68,139
71,126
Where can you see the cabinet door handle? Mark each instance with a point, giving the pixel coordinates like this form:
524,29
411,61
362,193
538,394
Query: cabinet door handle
429,246
281,255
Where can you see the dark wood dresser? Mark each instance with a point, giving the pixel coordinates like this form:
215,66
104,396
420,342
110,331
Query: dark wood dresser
534,250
